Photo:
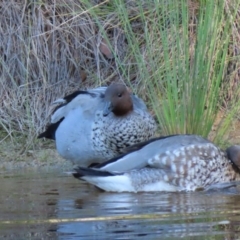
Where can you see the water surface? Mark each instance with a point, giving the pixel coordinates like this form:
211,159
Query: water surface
53,205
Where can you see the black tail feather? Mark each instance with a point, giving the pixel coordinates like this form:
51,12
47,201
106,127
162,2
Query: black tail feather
50,131
70,97
82,171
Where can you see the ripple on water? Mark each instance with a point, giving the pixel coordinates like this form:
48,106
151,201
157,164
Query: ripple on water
52,205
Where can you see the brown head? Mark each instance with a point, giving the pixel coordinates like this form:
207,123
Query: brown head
233,154
118,100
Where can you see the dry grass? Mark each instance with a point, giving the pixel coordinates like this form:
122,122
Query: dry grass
48,48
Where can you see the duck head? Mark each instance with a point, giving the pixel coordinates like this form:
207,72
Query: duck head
117,100
233,153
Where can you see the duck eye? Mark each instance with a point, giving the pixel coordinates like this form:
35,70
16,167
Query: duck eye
119,95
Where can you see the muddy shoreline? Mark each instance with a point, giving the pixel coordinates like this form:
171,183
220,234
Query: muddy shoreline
46,159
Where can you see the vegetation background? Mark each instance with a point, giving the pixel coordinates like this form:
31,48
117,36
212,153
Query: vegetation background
180,56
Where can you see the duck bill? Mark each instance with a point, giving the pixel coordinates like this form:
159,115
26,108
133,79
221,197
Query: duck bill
107,109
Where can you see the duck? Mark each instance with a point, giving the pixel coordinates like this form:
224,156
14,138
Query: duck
98,124
171,163
233,153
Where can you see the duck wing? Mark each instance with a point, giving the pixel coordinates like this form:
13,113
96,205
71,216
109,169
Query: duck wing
156,153
86,100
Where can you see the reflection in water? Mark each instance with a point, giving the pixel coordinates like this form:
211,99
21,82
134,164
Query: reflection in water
56,206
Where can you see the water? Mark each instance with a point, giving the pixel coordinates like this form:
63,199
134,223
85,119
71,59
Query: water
52,205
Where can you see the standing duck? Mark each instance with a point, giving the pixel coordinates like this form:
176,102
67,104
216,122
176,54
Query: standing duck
172,163
94,125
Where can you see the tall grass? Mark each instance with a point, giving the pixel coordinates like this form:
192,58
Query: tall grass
180,55
174,54
181,59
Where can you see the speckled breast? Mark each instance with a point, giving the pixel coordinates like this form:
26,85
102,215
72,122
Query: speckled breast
112,134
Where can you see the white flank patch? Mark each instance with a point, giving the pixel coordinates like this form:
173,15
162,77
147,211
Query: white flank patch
119,183
122,183
159,187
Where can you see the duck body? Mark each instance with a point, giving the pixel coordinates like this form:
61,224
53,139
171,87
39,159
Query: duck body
87,130
172,163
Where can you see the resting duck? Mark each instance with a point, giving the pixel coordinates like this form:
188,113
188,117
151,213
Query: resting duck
94,125
172,163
